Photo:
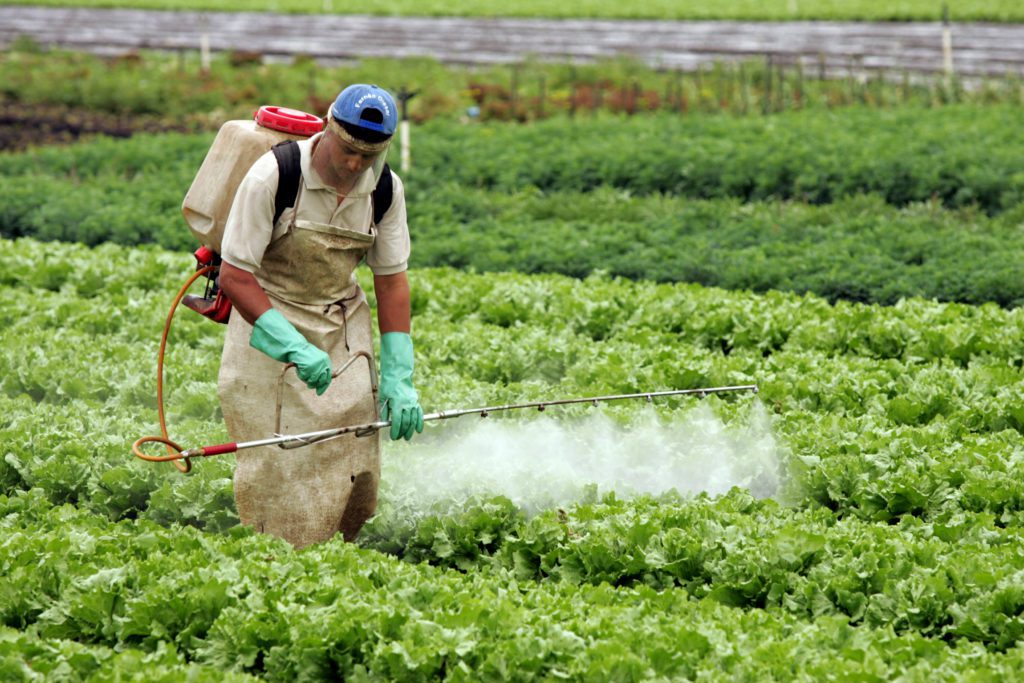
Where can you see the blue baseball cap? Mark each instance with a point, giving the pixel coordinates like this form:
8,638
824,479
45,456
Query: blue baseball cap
354,103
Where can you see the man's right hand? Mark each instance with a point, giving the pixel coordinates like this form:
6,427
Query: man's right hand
275,336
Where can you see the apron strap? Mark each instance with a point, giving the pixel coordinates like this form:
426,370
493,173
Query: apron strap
343,304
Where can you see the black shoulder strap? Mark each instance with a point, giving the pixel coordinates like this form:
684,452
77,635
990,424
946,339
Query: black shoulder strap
382,195
287,154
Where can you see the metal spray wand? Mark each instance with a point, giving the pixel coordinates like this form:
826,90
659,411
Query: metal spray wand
299,440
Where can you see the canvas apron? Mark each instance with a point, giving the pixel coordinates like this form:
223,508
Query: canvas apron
305,495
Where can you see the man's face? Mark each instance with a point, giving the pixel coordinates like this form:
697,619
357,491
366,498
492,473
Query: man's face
347,161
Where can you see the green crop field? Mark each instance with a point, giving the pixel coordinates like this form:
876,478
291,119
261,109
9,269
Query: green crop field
175,93
766,10
859,518
863,511
857,203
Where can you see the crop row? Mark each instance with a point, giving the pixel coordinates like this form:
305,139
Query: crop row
906,410
53,96
248,603
917,576
857,249
26,657
959,155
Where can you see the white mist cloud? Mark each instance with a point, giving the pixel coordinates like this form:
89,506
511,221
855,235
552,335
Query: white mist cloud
543,462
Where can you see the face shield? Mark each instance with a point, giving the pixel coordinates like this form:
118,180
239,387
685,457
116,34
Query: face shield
357,163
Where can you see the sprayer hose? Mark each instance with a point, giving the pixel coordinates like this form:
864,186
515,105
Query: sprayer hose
173,449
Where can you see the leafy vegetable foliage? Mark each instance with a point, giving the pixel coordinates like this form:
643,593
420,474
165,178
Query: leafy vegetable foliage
897,549
720,204
248,603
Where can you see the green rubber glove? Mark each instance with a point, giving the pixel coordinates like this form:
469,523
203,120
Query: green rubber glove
397,397
275,336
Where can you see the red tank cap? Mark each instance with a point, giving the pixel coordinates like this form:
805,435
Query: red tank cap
289,120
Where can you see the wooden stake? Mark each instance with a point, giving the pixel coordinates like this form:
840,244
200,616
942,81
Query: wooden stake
204,46
947,46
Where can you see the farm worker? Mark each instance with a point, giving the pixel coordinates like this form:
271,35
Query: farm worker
293,286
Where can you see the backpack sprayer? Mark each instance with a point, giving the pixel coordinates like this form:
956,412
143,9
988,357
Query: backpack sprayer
206,206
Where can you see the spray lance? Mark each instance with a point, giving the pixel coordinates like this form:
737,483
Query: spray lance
182,458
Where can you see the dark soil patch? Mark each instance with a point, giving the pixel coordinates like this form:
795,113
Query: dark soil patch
31,125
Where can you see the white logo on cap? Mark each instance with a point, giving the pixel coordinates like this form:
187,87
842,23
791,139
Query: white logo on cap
375,96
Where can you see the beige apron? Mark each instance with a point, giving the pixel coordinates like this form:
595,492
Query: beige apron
308,494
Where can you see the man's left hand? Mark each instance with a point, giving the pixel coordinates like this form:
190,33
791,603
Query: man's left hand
399,401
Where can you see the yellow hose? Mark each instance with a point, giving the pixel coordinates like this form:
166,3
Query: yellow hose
173,450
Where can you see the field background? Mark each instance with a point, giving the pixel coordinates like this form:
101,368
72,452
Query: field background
850,246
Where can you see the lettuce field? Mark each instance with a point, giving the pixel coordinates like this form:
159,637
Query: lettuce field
860,519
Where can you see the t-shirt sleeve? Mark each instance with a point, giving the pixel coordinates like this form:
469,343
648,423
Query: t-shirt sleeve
391,248
249,226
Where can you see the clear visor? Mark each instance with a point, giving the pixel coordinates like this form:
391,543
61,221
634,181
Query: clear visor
350,150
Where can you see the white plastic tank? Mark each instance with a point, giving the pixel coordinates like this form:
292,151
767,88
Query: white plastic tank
237,146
